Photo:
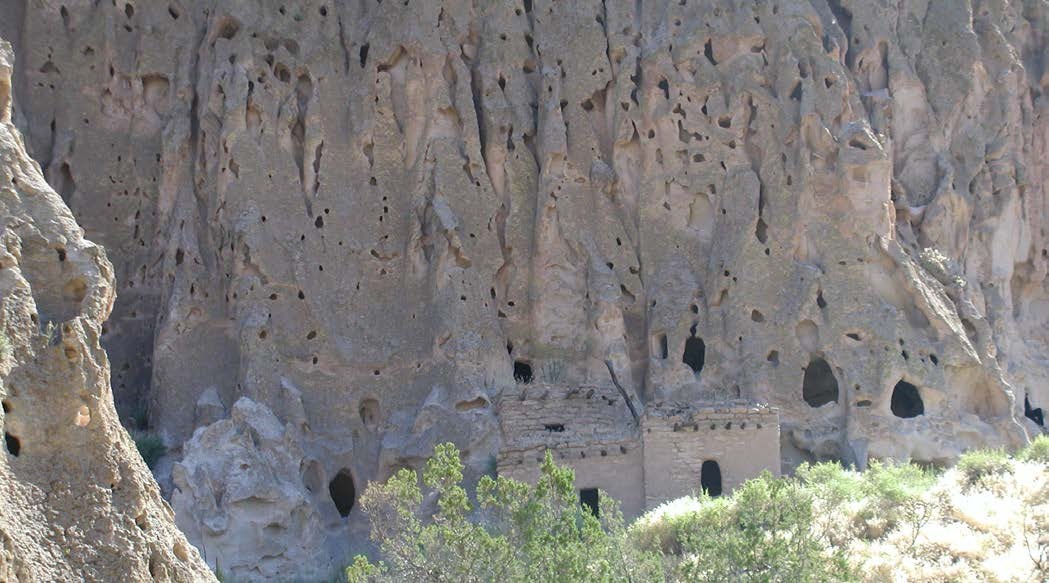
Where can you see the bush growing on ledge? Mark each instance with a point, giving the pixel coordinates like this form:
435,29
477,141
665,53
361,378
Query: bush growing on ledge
150,447
518,533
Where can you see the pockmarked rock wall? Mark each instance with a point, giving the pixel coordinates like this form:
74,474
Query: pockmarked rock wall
832,206
77,503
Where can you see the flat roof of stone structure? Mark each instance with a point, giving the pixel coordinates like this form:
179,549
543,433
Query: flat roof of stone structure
710,409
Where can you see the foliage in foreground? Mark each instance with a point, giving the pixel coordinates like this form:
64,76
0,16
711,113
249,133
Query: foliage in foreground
987,519
765,532
519,533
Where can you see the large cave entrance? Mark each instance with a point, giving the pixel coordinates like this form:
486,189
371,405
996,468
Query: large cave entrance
710,478
906,401
819,386
343,492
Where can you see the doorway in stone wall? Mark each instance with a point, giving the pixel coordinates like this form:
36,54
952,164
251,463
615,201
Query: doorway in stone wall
589,500
710,478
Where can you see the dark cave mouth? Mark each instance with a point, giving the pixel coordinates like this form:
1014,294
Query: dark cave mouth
819,385
343,492
906,401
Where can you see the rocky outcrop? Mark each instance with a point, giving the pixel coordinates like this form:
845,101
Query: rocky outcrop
76,500
241,498
398,208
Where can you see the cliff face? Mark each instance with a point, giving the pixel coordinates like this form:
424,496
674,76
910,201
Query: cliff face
385,211
76,500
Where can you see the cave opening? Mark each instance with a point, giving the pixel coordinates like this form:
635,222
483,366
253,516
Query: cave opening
710,478
369,413
14,446
819,386
660,346
906,401
522,371
590,500
343,492
1032,413
695,354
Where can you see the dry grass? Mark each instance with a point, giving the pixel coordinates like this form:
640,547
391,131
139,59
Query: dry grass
994,530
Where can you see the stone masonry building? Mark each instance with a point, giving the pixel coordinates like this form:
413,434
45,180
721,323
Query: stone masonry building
664,452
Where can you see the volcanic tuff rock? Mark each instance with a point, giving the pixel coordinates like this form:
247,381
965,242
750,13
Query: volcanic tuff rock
834,206
242,497
76,500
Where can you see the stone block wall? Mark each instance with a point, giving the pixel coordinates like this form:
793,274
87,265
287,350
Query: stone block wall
616,467
550,415
743,439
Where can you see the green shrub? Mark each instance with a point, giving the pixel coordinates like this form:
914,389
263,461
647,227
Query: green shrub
894,496
830,482
765,533
150,447
663,529
1036,451
889,486
978,464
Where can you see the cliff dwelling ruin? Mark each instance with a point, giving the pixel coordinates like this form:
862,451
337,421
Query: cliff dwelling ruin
675,243
672,451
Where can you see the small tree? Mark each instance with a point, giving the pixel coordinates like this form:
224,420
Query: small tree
518,532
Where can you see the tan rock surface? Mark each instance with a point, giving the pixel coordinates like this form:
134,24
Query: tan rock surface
76,501
244,495
371,202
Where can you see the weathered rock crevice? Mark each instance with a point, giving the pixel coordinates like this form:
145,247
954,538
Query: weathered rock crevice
77,501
